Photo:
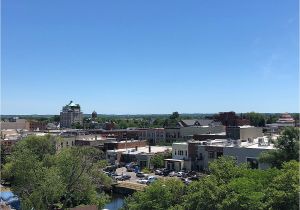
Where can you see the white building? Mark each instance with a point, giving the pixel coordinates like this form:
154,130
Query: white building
243,151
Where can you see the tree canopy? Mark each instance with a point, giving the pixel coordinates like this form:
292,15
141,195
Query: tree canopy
287,148
228,186
158,159
43,179
256,119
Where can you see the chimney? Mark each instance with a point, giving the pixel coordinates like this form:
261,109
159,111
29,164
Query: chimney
149,149
136,148
96,138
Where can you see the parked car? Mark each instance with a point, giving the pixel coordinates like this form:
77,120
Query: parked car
142,181
147,180
166,172
141,174
151,179
126,177
180,174
158,172
172,173
122,177
112,174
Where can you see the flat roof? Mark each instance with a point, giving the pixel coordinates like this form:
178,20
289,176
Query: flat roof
180,143
252,145
154,149
174,160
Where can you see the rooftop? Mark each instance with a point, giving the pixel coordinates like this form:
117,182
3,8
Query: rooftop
258,143
142,150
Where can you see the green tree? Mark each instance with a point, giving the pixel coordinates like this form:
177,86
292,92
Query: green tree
256,119
43,179
227,187
79,168
160,195
158,160
175,115
283,192
287,148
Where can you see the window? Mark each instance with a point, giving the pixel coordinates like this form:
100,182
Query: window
211,155
185,152
175,151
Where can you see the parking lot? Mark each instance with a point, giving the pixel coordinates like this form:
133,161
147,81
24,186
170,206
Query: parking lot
122,171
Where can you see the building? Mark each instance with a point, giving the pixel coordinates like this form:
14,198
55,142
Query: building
243,132
115,145
35,125
179,155
285,120
242,151
153,135
231,119
15,124
172,134
140,155
70,115
186,129
211,136
65,142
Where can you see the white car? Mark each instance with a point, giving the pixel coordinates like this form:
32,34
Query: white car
142,181
147,180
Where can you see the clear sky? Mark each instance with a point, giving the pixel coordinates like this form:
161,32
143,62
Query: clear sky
158,56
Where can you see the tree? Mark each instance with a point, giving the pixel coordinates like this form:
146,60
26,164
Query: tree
77,125
158,159
283,192
160,195
287,148
175,115
228,186
256,119
43,179
78,167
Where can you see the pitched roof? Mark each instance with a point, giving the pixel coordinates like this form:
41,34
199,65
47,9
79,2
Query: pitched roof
198,122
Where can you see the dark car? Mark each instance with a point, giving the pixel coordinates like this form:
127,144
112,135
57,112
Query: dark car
122,177
166,172
126,177
141,174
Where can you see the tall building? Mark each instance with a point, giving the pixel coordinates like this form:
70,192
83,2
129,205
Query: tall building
70,115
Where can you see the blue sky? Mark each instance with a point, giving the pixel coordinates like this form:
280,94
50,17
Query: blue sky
132,57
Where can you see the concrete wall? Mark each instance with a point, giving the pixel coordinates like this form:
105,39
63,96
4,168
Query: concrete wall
240,153
64,142
189,131
244,133
19,124
180,151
